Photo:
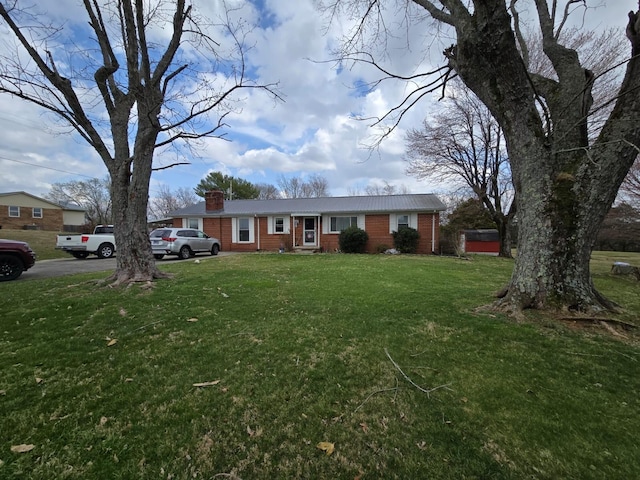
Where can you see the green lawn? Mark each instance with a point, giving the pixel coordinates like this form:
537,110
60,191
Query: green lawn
385,357
41,241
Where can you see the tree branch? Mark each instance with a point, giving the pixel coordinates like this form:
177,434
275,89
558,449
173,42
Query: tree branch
157,169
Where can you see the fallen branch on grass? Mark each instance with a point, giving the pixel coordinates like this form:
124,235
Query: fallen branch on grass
424,390
144,326
394,389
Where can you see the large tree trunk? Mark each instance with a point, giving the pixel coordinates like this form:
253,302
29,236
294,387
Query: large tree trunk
130,176
555,239
129,193
565,183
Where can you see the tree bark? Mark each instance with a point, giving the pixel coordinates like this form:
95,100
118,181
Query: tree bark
564,184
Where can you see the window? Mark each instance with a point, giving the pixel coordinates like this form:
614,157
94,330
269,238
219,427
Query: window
398,221
37,212
14,211
243,229
278,225
340,223
193,223
403,221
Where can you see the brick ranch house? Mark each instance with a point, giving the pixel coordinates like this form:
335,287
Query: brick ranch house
21,210
312,223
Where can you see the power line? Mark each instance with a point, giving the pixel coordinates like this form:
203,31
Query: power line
42,166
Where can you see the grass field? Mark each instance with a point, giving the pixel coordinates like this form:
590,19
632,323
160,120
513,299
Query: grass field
240,366
42,242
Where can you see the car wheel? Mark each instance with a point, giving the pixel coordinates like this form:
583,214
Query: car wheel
80,255
158,256
105,250
10,267
215,249
185,252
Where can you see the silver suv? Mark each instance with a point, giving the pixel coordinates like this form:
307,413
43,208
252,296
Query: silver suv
184,242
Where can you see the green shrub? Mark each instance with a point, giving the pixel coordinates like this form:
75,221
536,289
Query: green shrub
406,240
353,240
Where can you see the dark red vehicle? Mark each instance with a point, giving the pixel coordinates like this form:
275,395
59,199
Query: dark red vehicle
15,258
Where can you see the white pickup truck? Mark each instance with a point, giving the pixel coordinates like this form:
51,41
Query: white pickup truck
101,243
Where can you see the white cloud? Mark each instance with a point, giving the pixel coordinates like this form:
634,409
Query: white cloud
312,131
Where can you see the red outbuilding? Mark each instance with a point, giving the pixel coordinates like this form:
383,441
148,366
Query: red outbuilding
486,242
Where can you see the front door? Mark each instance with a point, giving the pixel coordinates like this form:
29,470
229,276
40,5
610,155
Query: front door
309,233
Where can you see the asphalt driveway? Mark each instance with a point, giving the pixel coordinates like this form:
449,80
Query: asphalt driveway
69,266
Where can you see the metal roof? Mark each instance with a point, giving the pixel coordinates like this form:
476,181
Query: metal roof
426,202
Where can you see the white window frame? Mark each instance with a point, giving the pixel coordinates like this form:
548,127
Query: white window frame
186,223
16,211
37,212
326,222
393,220
272,222
235,230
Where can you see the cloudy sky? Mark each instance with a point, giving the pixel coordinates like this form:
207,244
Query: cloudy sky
313,131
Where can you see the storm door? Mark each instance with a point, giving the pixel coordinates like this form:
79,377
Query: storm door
309,233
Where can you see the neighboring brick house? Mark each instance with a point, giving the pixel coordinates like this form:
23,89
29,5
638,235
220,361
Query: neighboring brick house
21,210
312,223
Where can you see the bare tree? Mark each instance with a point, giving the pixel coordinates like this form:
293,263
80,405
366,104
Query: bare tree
92,195
267,191
631,185
315,187
464,144
166,201
290,187
386,189
566,176
296,187
155,91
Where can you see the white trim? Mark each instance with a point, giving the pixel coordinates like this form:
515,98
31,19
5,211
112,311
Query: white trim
271,225
185,223
433,232
9,207
326,221
393,220
235,229
33,212
315,231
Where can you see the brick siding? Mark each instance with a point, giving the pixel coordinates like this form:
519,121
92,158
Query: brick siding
51,219
377,226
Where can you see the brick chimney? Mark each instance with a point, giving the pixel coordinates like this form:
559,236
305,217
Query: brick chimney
214,200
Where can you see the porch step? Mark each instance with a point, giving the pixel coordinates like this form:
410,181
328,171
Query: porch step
306,250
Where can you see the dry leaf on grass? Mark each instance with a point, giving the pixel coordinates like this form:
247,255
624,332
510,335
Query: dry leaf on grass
326,447
103,421
23,448
112,342
123,312
206,384
39,380
192,320
254,433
